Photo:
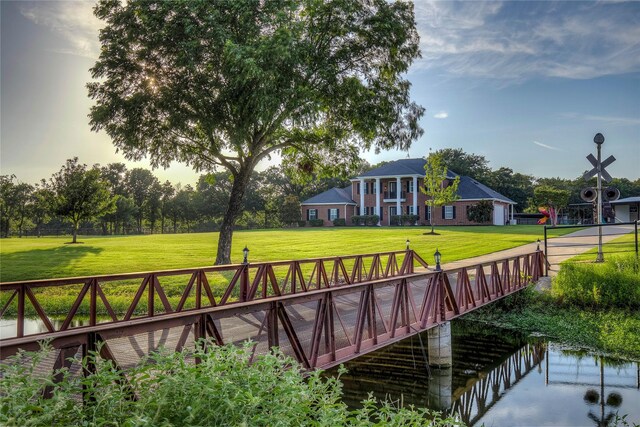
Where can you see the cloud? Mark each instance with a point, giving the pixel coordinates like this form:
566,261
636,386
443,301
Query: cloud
517,41
72,20
441,115
548,147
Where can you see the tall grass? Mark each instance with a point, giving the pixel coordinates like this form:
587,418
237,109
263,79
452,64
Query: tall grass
614,283
171,390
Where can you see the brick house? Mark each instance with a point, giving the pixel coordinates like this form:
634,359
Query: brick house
393,189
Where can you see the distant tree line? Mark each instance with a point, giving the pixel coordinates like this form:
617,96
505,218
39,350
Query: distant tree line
114,200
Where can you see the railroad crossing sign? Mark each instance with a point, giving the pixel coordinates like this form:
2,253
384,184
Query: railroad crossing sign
593,172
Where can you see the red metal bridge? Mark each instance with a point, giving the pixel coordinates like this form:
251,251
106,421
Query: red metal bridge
320,311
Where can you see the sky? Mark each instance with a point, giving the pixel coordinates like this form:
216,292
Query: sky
525,84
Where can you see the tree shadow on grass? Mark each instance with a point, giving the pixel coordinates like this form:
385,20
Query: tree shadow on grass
41,263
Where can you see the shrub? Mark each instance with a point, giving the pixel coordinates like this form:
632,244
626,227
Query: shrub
365,219
339,222
481,212
410,219
404,219
372,219
316,222
302,223
614,283
223,389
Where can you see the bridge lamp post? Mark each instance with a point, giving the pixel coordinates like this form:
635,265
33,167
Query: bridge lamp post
244,281
408,243
437,257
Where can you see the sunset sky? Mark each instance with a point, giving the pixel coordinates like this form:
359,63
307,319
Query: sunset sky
525,84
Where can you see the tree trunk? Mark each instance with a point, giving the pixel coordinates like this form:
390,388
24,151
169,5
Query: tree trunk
75,233
162,225
234,210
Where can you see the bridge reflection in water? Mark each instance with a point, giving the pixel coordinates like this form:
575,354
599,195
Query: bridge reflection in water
481,385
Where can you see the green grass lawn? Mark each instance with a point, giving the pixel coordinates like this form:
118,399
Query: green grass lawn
625,244
51,257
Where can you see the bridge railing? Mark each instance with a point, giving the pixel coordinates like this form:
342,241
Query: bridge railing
93,300
320,327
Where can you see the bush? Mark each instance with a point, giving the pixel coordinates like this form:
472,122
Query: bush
404,219
302,223
171,390
365,219
339,222
481,212
316,222
371,219
614,283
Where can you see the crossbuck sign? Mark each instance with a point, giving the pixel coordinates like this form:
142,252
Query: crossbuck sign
593,172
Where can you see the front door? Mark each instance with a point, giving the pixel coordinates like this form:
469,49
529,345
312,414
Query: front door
392,211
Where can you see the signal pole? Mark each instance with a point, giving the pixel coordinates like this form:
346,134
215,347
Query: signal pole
599,140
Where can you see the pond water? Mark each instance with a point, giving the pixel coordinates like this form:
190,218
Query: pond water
499,378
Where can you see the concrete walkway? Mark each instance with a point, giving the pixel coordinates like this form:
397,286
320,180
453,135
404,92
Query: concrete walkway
560,249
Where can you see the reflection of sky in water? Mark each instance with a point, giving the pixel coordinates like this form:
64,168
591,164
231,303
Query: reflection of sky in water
481,358
562,401
32,326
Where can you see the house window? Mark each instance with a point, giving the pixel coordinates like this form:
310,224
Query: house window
392,210
312,214
333,214
410,186
366,188
449,212
410,210
357,188
427,213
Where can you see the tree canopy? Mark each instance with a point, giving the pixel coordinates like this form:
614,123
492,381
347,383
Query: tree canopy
81,193
460,162
227,83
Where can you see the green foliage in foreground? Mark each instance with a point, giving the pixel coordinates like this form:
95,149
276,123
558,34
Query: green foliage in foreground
615,331
224,389
614,283
49,257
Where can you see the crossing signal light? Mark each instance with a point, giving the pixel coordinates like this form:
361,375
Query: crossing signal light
588,194
611,194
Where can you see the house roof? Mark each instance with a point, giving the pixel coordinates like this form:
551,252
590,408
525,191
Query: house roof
635,199
338,196
470,189
401,167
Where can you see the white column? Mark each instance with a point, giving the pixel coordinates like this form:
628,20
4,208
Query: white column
512,208
361,196
415,196
378,199
398,194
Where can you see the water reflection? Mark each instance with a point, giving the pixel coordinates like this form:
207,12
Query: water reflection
8,327
500,379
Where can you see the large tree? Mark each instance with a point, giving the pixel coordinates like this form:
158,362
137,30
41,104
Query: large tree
226,83
81,194
460,162
437,187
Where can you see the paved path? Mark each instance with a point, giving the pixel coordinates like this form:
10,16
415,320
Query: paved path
560,249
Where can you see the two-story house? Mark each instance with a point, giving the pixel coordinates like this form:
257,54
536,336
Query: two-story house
394,189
